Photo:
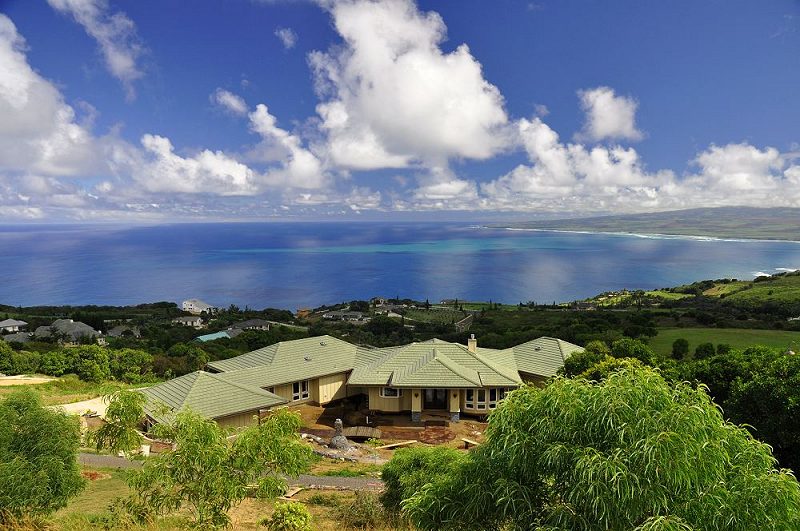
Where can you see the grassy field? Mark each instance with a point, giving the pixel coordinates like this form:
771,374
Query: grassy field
736,337
65,390
434,316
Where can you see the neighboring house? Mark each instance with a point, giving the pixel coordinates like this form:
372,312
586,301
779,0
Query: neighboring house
12,325
196,307
425,376
231,404
68,330
17,337
343,315
225,334
124,330
252,324
193,321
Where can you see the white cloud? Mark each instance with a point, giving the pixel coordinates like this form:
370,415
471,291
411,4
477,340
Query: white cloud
393,98
287,37
115,33
229,101
608,116
39,132
299,167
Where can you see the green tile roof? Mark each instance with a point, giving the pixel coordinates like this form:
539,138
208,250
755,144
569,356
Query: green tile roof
207,394
542,356
436,363
291,361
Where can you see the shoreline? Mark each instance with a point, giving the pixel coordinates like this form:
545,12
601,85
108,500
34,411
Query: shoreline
644,235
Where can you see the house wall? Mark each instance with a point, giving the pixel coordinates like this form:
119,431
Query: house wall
389,405
240,420
455,400
284,391
534,379
331,388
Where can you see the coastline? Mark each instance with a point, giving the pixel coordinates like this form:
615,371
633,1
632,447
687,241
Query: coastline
645,235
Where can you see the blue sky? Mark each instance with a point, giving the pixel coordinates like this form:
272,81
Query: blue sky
243,109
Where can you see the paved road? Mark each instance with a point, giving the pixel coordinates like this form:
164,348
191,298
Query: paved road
304,480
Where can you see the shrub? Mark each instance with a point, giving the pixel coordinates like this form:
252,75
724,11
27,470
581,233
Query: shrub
364,512
292,516
680,348
325,500
411,468
704,350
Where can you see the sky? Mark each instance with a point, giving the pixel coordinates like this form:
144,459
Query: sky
392,109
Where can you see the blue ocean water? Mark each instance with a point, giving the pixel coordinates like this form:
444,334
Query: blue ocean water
292,265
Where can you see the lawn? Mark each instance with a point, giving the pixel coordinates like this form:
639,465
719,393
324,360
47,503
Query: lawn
65,390
434,316
736,337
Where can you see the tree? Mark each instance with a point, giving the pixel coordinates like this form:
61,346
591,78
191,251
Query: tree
38,466
207,474
631,452
129,365
6,358
633,348
123,415
292,516
704,350
680,348
410,469
578,362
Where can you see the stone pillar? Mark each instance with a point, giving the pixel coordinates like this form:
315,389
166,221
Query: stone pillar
416,405
455,404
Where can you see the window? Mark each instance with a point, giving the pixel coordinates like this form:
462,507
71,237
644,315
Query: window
300,390
493,398
270,389
469,400
391,392
481,402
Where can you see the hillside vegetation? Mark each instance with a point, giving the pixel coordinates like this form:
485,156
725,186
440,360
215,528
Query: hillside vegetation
724,222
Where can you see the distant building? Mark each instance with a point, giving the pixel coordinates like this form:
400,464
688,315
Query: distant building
124,330
12,325
193,321
225,334
251,324
17,337
196,307
68,330
343,315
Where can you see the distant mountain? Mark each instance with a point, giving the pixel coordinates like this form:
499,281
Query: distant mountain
723,222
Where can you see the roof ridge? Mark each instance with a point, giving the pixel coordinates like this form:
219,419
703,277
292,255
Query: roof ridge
496,367
252,389
454,366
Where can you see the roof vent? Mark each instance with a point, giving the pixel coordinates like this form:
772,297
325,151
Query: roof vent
322,343
537,348
307,358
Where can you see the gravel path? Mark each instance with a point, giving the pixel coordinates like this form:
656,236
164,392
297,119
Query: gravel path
304,480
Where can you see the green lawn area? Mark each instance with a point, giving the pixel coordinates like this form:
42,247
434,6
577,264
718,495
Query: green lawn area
434,316
736,337
66,389
666,295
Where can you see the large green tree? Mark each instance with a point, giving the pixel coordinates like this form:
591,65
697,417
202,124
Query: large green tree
630,452
38,467
207,473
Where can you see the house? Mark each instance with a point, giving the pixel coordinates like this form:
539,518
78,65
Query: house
251,324
68,330
343,315
12,325
193,321
225,334
124,330
17,337
228,403
421,377
196,307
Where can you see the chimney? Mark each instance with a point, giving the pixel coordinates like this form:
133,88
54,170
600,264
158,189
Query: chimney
472,343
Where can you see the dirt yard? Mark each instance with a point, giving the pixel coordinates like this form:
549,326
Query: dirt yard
24,380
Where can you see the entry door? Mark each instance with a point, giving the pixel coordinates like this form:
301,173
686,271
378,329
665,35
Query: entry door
435,399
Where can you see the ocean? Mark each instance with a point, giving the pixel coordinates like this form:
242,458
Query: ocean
294,265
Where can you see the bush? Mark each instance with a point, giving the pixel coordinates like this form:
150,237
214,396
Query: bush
411,468
292,516
364,512
38,467
325,500
704,350
680,348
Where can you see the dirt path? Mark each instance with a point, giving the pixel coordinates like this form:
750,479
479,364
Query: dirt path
98,405
304,480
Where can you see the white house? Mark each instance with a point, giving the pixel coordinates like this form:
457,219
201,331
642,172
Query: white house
194,322
12,325
196,307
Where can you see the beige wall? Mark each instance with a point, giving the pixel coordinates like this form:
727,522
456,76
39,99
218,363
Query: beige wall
240,420
331,388
455,400
389,405
416,400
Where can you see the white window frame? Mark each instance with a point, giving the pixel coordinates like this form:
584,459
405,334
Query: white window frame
399,392
300,390
480,404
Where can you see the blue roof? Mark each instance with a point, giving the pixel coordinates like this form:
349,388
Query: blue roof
212,337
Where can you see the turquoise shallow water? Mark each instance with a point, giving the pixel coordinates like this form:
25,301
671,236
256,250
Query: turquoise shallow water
291,265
